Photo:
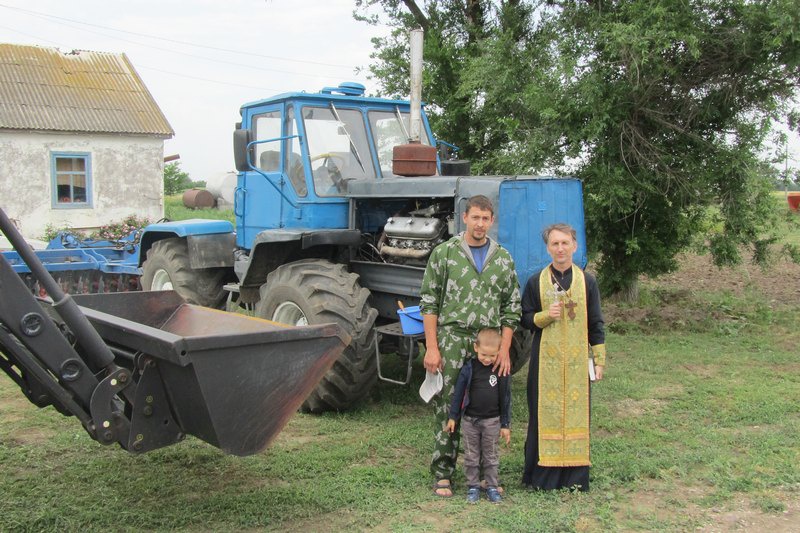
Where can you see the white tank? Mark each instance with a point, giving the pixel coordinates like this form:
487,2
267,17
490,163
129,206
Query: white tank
222,186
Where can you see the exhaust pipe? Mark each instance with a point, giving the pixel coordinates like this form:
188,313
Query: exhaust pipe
414,158
416,84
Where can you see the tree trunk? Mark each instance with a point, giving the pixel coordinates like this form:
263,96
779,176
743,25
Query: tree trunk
419,16
630,294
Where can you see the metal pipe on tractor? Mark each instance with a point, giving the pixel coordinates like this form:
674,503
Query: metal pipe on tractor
414,158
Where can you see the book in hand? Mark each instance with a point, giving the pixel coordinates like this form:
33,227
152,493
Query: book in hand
592,376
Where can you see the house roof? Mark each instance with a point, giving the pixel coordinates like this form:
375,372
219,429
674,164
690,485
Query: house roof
96,92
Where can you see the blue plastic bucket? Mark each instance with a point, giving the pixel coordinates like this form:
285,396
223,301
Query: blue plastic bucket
410,320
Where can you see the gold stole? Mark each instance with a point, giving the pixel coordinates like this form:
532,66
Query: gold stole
564,378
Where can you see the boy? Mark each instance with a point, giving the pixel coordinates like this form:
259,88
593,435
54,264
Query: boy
484,400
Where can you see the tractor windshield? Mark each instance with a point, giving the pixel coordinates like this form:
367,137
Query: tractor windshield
337,147
391,128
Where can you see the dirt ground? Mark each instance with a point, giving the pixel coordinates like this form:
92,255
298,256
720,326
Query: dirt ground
779,286
698,271
742,514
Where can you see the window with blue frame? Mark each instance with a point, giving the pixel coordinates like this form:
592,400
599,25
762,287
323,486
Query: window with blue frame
268,155
71,179
388,131
338,147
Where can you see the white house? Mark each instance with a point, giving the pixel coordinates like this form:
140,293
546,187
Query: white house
81,140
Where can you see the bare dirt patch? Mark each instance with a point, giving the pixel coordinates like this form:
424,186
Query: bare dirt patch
698,272
669,390
776,286
745,516
703,371
299,432
31,436
629,407
15,411
647,505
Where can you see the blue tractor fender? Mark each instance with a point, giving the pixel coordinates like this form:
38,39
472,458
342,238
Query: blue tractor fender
211,242
275,247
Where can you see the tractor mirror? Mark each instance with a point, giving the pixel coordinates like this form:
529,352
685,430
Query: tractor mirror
241,137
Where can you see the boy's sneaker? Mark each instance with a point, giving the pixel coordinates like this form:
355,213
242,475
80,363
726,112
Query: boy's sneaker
473,495
499,487
493,495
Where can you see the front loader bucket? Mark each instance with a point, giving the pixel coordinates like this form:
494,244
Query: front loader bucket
230,380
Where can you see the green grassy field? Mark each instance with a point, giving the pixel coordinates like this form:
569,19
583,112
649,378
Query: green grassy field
687,429
790,220
696,426
175,210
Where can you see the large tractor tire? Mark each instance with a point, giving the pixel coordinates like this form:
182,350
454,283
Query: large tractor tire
167,268
520,351
315,291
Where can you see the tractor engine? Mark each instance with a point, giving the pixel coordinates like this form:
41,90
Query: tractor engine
411,239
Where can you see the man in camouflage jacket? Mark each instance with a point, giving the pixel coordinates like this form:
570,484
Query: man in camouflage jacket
470,283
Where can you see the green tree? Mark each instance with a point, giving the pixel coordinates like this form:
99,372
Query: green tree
456,33
175,180
661,107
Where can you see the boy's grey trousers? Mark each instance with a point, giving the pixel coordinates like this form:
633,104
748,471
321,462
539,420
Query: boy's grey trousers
480,436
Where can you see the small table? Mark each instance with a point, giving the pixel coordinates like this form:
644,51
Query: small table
232,302
395,330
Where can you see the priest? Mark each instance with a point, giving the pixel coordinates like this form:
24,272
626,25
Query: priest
561,306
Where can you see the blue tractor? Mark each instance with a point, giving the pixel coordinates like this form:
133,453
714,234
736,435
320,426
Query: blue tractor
327,232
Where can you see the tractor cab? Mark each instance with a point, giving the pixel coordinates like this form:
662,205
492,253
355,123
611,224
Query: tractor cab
298,150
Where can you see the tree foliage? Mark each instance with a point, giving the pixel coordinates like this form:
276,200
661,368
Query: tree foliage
661,107
175,179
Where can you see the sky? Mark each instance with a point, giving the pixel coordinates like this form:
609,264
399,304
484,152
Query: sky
202,59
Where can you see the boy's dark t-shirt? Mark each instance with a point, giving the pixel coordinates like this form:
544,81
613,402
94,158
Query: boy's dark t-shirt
484,392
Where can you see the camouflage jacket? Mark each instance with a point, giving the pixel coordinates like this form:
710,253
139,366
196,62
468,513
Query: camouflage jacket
453,289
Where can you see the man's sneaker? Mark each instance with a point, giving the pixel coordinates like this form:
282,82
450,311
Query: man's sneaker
493,495
473,495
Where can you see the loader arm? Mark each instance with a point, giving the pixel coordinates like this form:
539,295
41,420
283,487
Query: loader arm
145,369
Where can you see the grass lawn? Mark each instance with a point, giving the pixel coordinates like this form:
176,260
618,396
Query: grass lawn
175,210
696,426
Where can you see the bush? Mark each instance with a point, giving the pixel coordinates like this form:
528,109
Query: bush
110,232
51,231
118,230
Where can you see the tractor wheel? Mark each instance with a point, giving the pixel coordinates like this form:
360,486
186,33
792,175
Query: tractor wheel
167,268
315,291
521,346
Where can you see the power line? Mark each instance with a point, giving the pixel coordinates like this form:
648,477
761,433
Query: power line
205,79
175,41
14,30
170,72
186,54
176,74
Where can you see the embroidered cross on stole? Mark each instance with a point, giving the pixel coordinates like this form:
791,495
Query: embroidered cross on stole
563,296
570,305
563,379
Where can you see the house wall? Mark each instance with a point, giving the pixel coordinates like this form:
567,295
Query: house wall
126,178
